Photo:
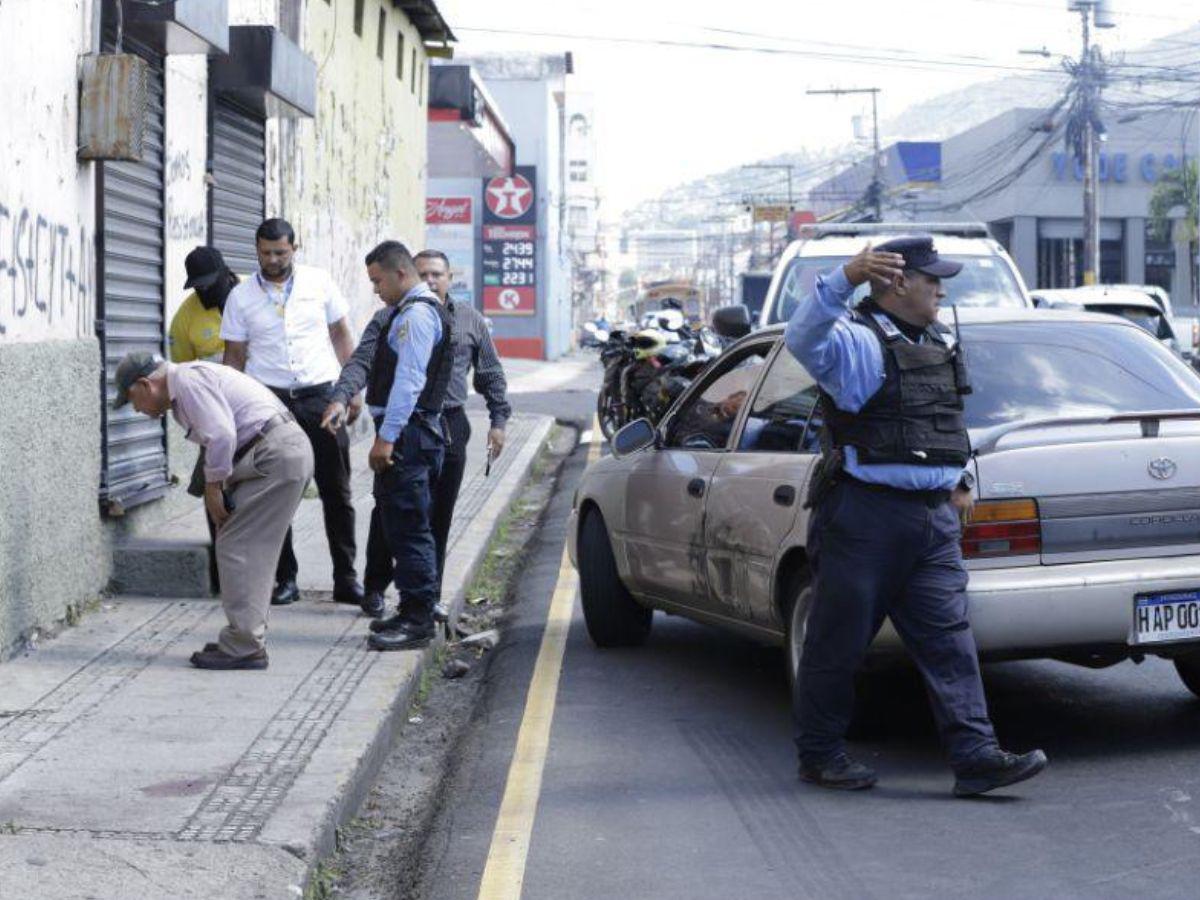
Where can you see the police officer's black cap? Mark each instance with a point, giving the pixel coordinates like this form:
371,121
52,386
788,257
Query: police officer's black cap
204,266
920,254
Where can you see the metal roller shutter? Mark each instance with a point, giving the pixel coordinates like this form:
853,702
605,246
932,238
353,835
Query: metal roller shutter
239,194
131,302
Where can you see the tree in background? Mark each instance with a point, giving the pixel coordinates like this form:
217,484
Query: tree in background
1176,190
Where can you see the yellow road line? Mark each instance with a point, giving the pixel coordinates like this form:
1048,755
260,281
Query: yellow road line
504,874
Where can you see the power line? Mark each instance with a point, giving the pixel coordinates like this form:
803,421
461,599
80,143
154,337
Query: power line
928,63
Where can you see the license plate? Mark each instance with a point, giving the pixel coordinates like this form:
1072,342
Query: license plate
1166,617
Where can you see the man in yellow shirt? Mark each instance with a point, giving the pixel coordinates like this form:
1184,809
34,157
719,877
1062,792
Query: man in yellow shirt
196,328
196,335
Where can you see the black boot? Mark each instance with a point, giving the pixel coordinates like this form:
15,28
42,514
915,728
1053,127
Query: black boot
842,772
406,636
995,769
285,593
348,591
373,604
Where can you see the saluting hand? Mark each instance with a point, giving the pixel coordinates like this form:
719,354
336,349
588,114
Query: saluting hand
872,265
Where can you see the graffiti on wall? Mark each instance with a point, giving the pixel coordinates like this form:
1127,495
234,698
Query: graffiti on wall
45,274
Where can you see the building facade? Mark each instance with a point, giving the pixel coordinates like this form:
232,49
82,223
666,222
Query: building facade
308,109
1013,173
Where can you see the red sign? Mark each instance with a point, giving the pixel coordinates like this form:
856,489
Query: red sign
509,196
448,211
509,301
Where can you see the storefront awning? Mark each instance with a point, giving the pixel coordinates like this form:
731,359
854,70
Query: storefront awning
180,26
266,72
467,134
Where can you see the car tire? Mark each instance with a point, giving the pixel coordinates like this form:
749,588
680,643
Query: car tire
1188,668
866,721
613,617
797,616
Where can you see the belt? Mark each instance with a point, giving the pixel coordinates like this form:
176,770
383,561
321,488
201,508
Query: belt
932,499
270,425
301,393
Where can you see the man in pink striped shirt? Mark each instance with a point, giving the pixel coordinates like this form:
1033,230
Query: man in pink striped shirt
257,463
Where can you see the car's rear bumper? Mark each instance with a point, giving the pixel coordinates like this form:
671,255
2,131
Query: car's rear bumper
1021,611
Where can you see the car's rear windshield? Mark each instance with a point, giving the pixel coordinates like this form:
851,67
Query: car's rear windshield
983,281
1031,370
1152,320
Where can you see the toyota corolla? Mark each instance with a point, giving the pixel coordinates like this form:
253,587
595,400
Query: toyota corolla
1084,544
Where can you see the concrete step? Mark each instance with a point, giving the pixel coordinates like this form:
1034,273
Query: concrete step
153,567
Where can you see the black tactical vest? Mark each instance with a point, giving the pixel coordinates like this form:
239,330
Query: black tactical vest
916,415
437,373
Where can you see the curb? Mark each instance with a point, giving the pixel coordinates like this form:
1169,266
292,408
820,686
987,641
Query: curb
323,837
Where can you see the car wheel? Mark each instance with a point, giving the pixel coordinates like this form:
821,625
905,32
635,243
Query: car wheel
1188,668
796,619
866,721
613,617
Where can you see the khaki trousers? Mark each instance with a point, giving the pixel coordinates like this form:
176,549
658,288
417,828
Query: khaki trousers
266,486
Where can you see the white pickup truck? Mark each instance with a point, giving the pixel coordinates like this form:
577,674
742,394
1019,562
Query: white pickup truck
988,278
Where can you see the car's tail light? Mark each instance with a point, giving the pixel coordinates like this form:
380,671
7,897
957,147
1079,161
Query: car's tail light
1002,528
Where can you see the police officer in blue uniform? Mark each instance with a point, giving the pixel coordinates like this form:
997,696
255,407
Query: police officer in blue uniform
885,527
406,389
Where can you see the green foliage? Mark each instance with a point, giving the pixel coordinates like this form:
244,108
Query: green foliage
1176,188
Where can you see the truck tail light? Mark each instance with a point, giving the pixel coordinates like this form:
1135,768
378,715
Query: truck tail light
1002,528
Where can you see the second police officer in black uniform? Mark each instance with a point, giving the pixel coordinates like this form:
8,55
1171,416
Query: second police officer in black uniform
885,528
406,389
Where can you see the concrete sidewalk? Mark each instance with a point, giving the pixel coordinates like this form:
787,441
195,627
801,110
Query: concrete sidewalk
126,773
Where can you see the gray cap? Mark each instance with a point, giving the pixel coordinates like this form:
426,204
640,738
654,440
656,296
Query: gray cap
138,364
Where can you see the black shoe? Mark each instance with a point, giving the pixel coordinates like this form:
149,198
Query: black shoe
441,615
348,592
841,773
285,593
218,659
995,769
373,604
406,637
391,623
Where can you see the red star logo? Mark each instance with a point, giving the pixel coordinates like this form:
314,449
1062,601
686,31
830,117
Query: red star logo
509,197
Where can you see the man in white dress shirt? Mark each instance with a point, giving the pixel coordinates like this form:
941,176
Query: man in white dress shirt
286,326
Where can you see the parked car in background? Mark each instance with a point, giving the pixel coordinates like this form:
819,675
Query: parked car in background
1129,303
1084,545
988,278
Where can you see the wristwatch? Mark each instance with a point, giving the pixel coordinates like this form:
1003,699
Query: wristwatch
966,481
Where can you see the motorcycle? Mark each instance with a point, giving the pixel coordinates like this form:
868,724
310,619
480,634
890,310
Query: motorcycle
646,372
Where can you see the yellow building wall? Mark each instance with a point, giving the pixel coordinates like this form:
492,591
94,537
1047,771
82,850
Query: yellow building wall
355,174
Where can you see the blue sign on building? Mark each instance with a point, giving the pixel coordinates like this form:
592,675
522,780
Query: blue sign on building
1120,167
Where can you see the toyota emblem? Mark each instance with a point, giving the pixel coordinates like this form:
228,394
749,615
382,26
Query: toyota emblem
1162,468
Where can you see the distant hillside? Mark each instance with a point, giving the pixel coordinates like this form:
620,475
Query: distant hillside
938,118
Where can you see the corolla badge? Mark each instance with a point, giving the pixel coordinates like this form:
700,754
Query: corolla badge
1162,468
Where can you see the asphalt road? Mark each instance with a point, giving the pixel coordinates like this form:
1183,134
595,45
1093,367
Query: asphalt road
671,774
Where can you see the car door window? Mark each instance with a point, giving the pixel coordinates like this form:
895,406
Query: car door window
777,421
705,420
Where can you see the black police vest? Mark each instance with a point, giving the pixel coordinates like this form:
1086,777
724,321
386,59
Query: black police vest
916,416
437,373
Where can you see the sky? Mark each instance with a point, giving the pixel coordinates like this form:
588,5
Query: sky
666,114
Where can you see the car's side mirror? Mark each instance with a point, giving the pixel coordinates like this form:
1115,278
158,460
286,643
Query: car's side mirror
731,321
635,437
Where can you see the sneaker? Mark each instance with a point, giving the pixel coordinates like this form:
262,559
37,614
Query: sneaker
842,773
996,769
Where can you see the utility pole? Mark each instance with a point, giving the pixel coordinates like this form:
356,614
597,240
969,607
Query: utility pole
1089,76
791,201
875,191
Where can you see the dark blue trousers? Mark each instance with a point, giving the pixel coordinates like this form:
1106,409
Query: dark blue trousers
885,554
402,496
